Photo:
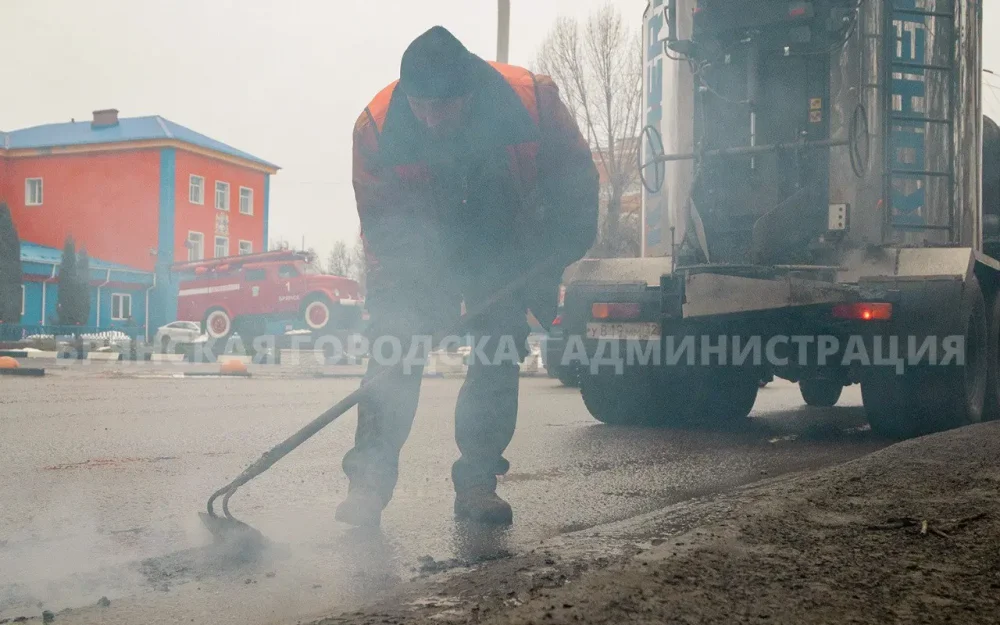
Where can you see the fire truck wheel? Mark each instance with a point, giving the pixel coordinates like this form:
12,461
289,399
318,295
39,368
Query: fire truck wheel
316,312
217,324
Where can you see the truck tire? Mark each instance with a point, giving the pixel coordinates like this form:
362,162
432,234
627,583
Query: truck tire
991,407
217,324
568,376
821,392
930,400
617,399
722,397
317,311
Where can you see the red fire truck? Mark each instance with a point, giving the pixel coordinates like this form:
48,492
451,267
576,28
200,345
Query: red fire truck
226,294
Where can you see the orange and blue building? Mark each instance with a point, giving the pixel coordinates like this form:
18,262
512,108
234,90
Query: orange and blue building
140,194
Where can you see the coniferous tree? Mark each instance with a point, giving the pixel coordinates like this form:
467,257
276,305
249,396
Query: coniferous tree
83,284
10,269
70,303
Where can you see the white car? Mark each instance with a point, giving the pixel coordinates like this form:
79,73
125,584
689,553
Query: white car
176,333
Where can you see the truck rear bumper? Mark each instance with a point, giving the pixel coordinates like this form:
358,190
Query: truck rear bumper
784,324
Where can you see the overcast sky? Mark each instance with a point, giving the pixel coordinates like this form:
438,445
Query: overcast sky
282,80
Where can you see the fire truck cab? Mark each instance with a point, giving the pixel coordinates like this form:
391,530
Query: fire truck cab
227,294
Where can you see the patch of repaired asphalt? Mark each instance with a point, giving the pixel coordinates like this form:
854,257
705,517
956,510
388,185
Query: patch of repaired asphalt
910,534
162,573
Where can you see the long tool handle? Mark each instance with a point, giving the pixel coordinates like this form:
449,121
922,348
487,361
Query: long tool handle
282,449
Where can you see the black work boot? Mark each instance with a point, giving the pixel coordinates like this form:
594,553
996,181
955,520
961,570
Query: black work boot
483,505
362,508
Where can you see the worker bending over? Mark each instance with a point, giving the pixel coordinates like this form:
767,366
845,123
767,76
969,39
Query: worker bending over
466,173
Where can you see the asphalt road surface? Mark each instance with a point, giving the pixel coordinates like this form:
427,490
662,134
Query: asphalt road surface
101,480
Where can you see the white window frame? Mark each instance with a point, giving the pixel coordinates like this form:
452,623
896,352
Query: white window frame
201,248
249,208
222,187
28,200
200,200
216,249
249,244
117,314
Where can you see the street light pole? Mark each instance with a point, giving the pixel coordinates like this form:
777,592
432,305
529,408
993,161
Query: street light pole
503,30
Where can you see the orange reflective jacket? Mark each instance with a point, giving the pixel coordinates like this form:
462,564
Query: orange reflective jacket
533,183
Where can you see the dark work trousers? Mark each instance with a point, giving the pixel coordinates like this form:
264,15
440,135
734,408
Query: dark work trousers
486,411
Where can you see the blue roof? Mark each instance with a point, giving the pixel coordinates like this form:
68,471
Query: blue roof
127,129
34,253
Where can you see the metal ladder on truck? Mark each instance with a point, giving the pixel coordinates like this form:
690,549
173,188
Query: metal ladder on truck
919,104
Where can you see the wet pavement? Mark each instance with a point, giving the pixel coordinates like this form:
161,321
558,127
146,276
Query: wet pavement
102,480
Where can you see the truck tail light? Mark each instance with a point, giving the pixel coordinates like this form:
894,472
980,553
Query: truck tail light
629,310
799,10
866,311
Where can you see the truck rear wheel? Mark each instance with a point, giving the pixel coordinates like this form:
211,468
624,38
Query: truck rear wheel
991,408
568,376
617,399
935,398
821,392
721,396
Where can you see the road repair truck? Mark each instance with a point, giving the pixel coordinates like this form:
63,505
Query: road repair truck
818,206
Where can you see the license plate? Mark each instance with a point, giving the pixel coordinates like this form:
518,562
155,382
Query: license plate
624,331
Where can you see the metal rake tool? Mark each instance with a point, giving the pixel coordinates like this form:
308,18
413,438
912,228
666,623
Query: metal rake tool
228,528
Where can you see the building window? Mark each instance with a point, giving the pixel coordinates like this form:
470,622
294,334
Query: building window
246,247
221,247
222,195
246,201
33,192
121,306
196,190
196,246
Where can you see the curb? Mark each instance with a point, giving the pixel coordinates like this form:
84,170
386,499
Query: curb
28,355
206,374
24,372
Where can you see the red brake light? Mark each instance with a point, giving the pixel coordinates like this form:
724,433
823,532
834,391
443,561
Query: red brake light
863,311
629,310
800,9
557,321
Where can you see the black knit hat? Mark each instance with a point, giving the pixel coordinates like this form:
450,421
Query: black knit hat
436,65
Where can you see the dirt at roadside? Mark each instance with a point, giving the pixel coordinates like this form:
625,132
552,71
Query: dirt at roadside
910,534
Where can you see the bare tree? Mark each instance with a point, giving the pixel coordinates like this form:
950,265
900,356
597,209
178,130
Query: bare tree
280,243
598,67
360,263
339,261
348,262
